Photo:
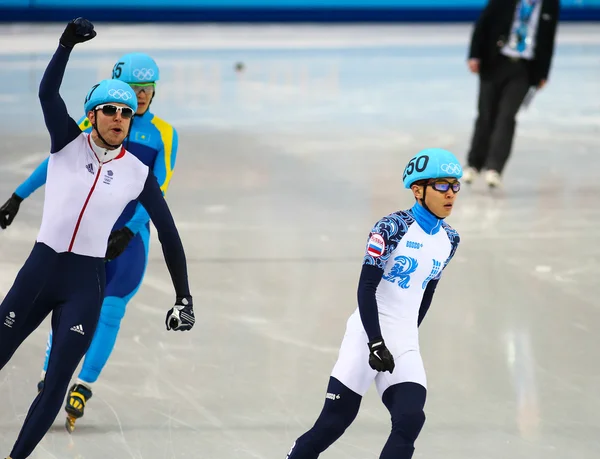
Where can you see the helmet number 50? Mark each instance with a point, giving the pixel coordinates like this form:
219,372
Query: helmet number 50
117,69
416,164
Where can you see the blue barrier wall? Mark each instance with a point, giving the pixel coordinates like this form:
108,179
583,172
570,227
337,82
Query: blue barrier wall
267,10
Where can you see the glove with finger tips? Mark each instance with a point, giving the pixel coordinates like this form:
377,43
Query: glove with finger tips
181,316
380,358
77,31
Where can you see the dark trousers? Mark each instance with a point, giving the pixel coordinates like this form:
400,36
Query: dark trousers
404,401
500,97
72,288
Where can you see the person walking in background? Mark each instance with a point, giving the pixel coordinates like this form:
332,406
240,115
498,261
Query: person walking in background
511,50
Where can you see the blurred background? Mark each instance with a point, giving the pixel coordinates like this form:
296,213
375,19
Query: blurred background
268,10
295,121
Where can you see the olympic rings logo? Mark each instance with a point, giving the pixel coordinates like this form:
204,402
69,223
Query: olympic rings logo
120,94
143,74
451,168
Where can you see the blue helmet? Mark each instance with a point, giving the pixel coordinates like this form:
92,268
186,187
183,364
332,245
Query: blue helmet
136,68
431,163
108,91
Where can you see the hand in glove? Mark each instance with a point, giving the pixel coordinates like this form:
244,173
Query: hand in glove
9,210
181,316
118,242
380,358
77,31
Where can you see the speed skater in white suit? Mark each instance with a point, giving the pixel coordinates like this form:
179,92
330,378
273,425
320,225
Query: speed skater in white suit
405,255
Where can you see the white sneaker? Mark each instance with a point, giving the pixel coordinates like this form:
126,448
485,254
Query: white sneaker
493,179
469,175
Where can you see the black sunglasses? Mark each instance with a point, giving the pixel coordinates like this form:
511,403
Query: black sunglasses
443,185
111,110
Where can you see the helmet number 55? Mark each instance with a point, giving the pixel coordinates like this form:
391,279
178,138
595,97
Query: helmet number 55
117,69
419,164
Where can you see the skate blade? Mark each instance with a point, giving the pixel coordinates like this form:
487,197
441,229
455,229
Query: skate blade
70,424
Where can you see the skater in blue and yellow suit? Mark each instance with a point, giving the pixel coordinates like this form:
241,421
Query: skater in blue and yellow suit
154,142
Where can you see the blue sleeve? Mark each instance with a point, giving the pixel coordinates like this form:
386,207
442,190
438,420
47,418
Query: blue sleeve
167,155
383,240
62,128
175,148
34,181
165,161
163,170
154,202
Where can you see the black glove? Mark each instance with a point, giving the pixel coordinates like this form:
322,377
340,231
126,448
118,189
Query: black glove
118,242
380,358
9,210
181,316
77,31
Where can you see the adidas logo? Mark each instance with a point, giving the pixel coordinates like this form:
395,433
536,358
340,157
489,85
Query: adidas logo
78,329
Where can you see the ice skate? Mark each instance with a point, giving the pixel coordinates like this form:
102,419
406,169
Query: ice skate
78,397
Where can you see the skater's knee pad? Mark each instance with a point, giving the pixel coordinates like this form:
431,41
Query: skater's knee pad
405,403
339,411
331,425
113,311
408,425
341,406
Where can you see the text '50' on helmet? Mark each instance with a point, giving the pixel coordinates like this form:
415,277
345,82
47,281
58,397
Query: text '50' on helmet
110,91
136,68
432,163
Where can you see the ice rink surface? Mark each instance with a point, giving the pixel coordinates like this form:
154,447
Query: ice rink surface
281,172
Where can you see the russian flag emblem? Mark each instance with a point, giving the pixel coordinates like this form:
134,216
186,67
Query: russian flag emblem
376,245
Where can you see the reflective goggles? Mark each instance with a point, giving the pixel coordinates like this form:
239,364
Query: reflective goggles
444,185
111,110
